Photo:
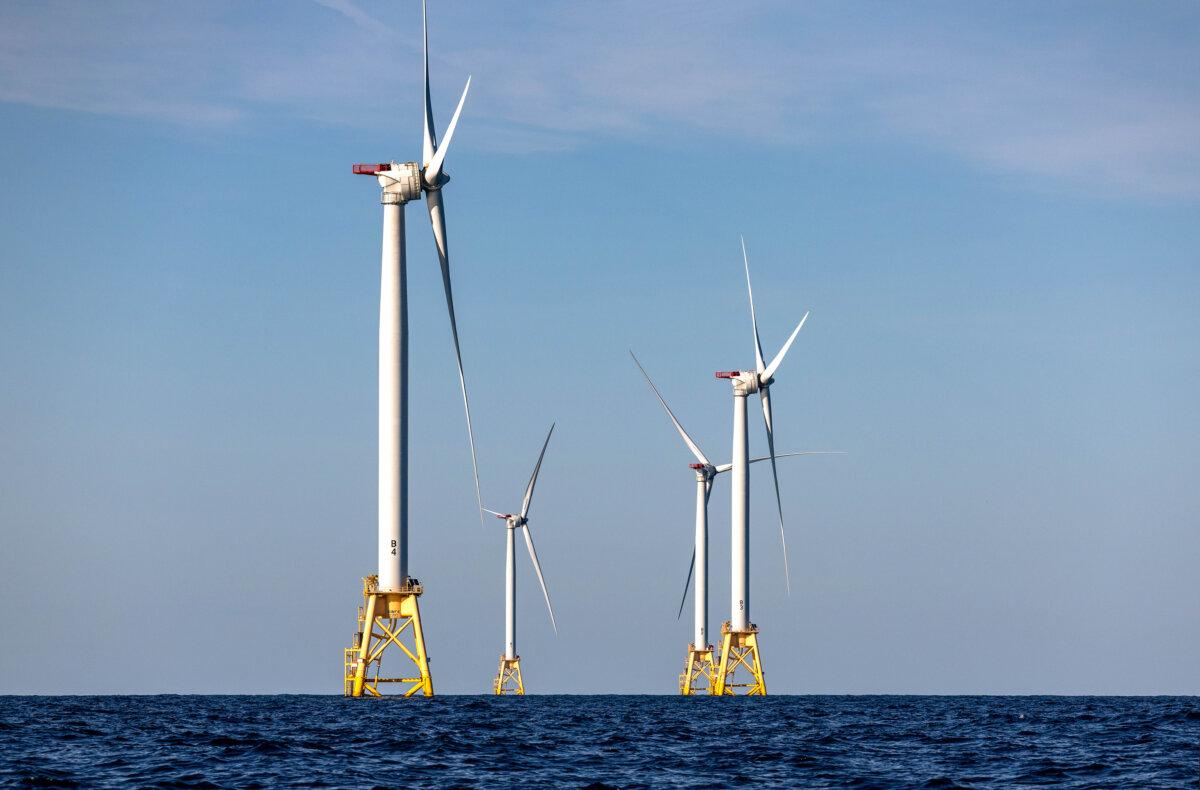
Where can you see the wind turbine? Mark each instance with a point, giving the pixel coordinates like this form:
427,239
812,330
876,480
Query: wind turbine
699,664
739,642
508,677
391,596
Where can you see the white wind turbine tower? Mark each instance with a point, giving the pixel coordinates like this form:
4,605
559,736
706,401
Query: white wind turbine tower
739,643
391,596
508,677
700,665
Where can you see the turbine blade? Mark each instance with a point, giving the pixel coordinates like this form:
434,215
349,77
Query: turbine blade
687,585
433,168
430,142
533,478
774,366
726,467
494,513
686,439
708,484
765,396
437,218
792,455
758,354
537,566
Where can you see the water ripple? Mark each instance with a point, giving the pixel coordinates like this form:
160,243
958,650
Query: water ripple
600,742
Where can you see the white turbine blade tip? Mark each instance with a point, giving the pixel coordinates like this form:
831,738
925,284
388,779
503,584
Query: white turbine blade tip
691,445
429,139
778,360
758,354
525,502
434,169
537,567
687,584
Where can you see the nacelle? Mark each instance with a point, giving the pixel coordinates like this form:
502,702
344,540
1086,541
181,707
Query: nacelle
400,182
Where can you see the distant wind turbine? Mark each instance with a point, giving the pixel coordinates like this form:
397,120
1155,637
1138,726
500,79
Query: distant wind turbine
508,678
739,643
700,664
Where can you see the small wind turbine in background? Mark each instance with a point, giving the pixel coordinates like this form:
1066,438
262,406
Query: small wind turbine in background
699,670
508,677
739,636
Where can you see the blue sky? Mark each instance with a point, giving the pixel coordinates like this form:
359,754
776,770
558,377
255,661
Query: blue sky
993,214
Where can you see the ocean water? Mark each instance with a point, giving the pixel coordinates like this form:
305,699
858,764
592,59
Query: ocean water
600,741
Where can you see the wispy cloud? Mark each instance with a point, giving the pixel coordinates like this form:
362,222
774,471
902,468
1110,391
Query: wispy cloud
1067,96
113,59
353,12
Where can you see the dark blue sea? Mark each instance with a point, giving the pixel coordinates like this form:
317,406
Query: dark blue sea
600,741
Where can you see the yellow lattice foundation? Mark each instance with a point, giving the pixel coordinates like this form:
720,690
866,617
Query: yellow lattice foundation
699,672
395,614
508,677
739,651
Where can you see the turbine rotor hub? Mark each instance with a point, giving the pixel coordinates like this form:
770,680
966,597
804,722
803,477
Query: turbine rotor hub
428,186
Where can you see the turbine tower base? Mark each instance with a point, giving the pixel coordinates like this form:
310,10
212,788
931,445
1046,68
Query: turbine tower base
394,612
699,672
508,678
739,649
